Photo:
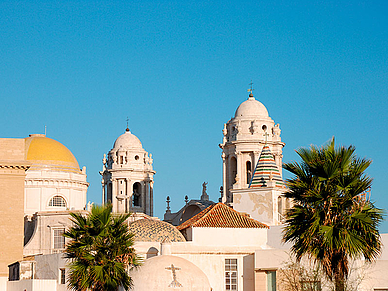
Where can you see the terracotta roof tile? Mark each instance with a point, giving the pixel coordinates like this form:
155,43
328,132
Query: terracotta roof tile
221,215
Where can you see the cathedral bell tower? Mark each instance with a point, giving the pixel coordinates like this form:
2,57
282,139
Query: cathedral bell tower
127,176
246,137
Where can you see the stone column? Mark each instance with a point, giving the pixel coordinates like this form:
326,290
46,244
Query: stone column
225,189
151,198
147,208
230,179
239,170
127,196
256,156
114,194
103,191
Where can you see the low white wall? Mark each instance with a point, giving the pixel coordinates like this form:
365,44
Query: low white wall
32,285
3,283
211,236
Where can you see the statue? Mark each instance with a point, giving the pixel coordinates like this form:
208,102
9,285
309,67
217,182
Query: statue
204,195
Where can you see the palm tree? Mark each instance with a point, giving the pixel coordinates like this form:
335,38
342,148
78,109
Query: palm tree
100,251
330,221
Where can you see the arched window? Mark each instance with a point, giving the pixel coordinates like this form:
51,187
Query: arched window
233,168
249,171
152,252
57,201
109,193
136,195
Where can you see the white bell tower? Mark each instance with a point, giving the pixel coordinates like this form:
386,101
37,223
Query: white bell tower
127,176
244,138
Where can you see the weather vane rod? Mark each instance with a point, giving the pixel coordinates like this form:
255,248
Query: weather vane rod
251,89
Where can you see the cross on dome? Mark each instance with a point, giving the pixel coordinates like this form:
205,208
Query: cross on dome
251,89
127,129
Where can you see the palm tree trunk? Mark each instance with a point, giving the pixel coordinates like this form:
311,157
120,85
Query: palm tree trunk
339,282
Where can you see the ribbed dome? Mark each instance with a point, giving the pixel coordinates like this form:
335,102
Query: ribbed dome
46,153
251,108
155,231
127,140
169,273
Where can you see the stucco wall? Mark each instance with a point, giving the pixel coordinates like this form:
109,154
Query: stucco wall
210,236
12,173
32,285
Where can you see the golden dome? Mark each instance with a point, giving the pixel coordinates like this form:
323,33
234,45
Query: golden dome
46,153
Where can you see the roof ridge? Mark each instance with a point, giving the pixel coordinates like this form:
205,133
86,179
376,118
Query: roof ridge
207,213
222,216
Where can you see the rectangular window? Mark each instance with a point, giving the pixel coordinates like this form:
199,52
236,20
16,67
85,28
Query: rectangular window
62,276
231,274
271,281
58,238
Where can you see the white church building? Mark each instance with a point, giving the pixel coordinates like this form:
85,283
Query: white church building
234,244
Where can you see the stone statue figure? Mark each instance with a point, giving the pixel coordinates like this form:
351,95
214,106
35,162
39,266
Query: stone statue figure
204,195
204,187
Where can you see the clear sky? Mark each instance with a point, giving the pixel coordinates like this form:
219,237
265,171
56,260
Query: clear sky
179,70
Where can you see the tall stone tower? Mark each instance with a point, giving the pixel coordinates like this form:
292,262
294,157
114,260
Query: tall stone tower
251,138
127,176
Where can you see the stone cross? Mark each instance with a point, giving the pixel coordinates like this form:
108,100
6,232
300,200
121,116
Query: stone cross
174,282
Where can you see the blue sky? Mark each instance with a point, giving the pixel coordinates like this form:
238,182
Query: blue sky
179,70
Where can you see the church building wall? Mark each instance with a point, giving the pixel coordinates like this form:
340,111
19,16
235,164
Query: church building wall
12,174
238,237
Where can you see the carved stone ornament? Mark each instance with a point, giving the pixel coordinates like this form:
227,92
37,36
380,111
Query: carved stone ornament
174,283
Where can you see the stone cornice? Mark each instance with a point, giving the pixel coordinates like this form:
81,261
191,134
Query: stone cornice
15,165
43,180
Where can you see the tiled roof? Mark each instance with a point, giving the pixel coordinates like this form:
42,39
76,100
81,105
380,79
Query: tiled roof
221,215
266,169
155,231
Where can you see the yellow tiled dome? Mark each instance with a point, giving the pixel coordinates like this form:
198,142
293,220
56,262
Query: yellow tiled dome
46,153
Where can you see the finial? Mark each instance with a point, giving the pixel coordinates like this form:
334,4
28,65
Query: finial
127,129
265,136
168,203
186,199
222,194
45,130
251,89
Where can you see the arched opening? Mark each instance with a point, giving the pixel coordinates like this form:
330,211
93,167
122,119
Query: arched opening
57,201
248,171
152,252
136,195
233,170
189,212
109,194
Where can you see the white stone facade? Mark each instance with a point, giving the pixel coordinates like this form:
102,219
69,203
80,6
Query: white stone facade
54,190
244,137
127,176
54,181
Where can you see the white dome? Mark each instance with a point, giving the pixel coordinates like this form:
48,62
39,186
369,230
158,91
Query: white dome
157,273
128,141
251,108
